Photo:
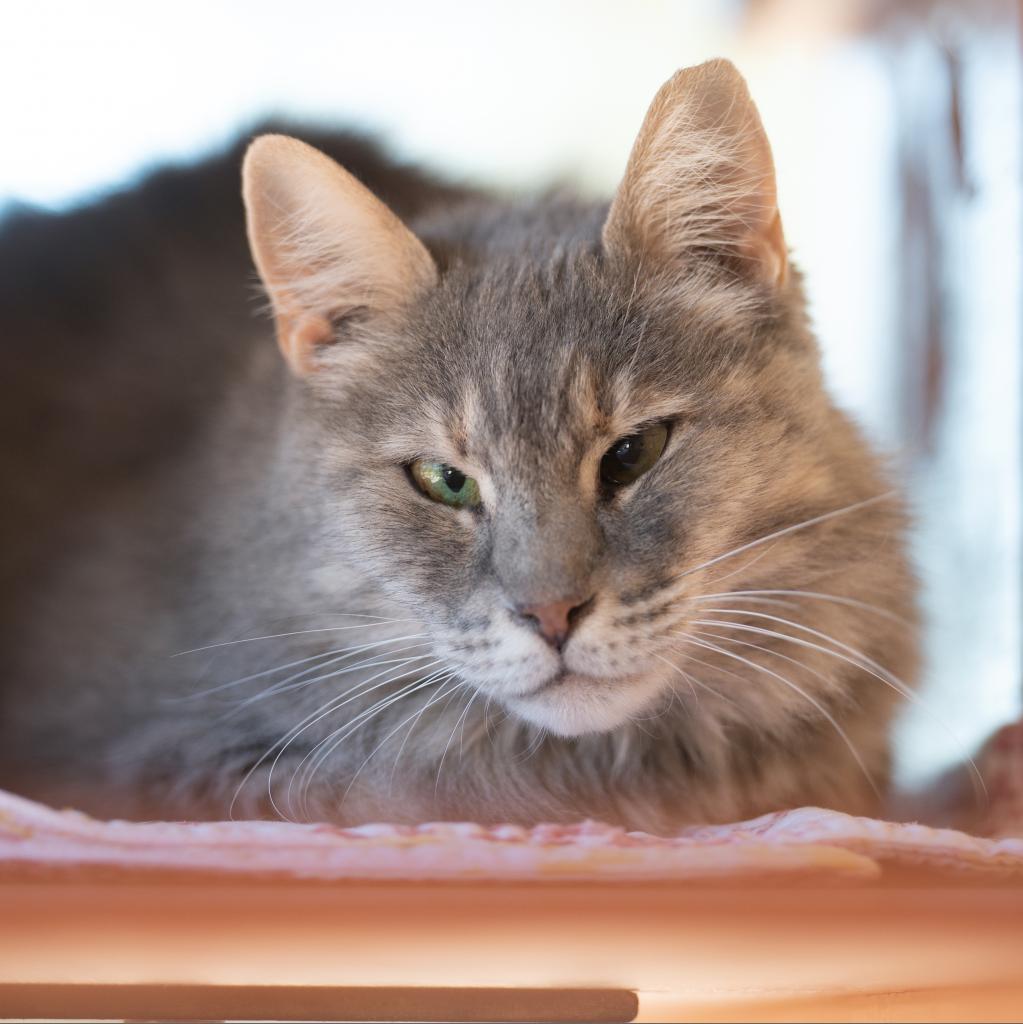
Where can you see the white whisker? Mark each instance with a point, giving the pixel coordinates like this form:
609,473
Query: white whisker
742,568
414,719
461,735
693,681
534,746
767,650
788,530
296,682
361,689
859,659
325,747
199,694
330,743
851,602
335,656
854,657
377,621
823,711
444,754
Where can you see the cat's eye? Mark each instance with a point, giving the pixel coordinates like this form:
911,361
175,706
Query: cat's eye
443,483
630,457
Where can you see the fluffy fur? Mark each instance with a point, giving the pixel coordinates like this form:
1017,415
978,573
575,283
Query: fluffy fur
176,487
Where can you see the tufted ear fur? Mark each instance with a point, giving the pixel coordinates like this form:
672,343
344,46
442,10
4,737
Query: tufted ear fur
700,181
324,245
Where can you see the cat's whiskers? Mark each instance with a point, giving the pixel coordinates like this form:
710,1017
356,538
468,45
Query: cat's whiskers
199,694
305,772
742,568
668,590
823,711
322,750
636,719
296,682
713,668
855,658
461,735
440,767
357,687
637,723
534,746
442,678
335,656
774,602
377,621
852,655
328,707
786,530
685,676
817,674
486,717
980,788
850,602
357,690
414,718
716,669
690,679
675,698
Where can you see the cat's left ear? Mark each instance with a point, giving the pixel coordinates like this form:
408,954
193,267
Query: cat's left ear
324,245
699,185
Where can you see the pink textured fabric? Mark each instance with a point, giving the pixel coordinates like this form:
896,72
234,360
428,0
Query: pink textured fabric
33,836
796,842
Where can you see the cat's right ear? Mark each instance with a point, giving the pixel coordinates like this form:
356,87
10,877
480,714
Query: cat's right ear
324,245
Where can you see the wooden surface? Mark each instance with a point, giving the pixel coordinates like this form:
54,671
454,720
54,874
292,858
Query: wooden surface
903,948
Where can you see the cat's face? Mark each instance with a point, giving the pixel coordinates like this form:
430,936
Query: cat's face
523,380
536,437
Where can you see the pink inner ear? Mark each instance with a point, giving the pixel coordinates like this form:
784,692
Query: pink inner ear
299,338
323,241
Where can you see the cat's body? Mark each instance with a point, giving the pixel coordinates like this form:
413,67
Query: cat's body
174,486
143,403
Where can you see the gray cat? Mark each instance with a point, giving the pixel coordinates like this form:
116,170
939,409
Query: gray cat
544,514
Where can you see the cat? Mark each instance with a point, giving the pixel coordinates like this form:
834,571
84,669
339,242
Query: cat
537,511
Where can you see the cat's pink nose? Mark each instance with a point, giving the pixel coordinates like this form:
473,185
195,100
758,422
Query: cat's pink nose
555,620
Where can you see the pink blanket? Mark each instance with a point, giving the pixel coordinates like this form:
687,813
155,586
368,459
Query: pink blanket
36,838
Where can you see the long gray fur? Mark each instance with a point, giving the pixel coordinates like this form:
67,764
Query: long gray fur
169,485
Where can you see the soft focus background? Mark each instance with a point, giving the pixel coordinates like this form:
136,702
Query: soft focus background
897,136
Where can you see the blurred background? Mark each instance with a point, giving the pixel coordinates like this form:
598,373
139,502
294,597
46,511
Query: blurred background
897,136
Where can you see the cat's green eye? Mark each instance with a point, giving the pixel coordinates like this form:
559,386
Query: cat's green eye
443,483
630,457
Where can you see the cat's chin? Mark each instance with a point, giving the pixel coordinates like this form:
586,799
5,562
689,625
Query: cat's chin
577,705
